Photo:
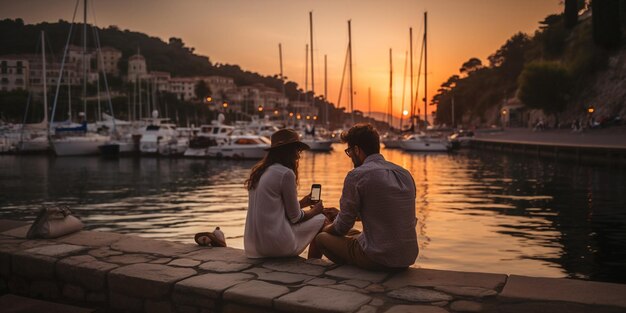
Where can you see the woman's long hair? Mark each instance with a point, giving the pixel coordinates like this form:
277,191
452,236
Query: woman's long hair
287,155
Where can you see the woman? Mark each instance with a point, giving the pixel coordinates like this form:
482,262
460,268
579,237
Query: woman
276,224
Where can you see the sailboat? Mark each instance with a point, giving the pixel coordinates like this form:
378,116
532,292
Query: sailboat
389,139
309,136
34,137
73,141
422,142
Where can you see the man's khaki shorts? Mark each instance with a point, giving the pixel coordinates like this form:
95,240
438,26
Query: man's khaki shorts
346,250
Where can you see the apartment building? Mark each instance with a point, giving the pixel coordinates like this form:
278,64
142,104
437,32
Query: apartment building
13,73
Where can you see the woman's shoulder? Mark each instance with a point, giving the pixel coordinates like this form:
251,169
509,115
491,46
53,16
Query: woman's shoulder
279,169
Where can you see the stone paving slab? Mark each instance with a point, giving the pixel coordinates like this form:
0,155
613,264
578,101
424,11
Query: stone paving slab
85,271
224,267
294,265
18,232
17,304
415,309
568,290
311,299
220,254
350,272
6,225
431,278
211,285
56,250
146,280
135,244
255,293
91,238
33,265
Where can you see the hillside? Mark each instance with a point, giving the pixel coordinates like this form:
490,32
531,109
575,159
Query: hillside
172,56
555,74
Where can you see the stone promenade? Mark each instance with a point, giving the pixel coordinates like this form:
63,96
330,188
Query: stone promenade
108,272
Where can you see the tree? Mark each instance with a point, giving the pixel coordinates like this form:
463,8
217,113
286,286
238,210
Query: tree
571,13
510,58
202,90
545,86
471,65
606,23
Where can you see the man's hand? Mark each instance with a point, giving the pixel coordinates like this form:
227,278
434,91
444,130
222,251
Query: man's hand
330,213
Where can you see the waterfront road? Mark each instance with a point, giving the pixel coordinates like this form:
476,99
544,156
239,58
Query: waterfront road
612,137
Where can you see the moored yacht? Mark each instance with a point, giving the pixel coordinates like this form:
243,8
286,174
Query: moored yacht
241,147
422,143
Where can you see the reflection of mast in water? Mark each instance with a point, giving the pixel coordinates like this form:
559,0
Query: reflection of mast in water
420,199
312,167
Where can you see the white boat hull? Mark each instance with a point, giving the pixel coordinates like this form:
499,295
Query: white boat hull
319,145
237,152
35,145
424,145
197,152
392,143
78,145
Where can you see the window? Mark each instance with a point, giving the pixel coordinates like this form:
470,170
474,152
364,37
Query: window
5,81
19,67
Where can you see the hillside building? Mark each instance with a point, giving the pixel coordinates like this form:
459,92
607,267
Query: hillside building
13,73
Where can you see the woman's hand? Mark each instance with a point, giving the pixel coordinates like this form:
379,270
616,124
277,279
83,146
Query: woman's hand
306,201
318,208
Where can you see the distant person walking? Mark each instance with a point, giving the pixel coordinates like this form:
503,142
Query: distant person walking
380,194
276,224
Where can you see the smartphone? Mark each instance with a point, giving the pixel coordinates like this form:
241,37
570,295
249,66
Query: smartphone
316,192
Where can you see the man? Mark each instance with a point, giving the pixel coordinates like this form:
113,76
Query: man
380,194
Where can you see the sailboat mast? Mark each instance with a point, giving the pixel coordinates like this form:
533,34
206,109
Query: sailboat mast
369,102
45,79
325,90
350,54
312,67
425,69
411,74
85,60
306,73
390,102
280,57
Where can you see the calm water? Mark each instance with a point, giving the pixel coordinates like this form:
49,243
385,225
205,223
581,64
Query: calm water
477,211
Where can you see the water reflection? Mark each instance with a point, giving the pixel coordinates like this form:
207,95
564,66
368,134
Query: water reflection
477,211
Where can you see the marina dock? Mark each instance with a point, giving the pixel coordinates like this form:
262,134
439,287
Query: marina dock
602,146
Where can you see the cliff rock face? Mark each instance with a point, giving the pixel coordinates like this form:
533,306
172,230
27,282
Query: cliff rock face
606,93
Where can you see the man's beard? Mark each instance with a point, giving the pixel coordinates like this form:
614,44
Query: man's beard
356,161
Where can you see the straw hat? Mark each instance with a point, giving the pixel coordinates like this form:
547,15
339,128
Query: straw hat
287,137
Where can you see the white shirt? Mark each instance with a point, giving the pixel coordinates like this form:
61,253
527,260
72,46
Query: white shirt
272,223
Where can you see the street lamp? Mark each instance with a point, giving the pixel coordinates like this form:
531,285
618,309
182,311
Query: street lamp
260,108
591,109
275,112
209,99
225,105
405,112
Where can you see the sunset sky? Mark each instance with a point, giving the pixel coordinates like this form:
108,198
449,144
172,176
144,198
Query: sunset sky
247,33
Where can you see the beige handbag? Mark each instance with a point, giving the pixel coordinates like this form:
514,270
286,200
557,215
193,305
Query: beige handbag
53,222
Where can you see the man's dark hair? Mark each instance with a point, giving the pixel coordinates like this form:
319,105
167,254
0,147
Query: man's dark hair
363,135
